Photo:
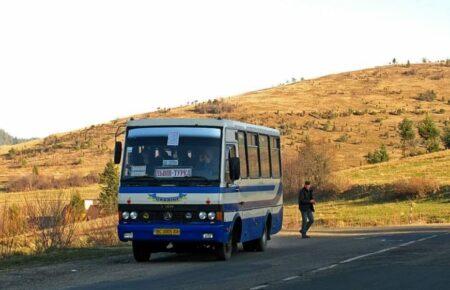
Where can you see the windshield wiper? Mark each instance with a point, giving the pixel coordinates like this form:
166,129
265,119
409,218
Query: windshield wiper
195,177
139,178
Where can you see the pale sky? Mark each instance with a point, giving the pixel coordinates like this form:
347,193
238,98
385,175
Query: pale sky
69,64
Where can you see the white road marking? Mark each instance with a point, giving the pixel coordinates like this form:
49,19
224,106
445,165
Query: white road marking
386,249
325,268
367,255
352,259
259,287
426,238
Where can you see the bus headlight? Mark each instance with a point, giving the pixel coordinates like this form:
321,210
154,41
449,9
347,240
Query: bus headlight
202,215
133,215
125,215
211,215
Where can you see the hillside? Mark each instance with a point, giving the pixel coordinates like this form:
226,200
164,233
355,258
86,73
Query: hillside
434,165
355,112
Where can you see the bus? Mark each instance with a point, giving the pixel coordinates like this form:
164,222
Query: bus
198,183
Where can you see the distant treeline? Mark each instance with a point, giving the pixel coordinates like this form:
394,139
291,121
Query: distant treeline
6,139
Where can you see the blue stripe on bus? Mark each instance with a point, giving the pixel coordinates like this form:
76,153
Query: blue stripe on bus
197,189
254,204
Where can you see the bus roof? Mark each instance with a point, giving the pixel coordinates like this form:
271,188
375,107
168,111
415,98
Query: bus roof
204,123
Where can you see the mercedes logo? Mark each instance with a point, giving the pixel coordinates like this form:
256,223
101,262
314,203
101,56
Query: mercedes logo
167,216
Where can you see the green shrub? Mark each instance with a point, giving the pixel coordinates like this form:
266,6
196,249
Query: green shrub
429,133
109,181
378,156
446,137
427,96
343,138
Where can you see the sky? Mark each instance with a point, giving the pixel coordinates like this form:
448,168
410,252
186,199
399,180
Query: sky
65,65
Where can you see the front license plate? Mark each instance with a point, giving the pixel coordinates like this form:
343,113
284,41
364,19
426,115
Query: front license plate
166,232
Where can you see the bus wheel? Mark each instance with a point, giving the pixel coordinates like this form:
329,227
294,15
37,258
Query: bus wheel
257,245
224,250
261,243
141,251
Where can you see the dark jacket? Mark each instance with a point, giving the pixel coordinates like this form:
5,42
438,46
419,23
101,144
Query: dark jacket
304,199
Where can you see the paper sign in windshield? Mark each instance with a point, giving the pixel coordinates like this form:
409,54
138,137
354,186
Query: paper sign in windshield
169,173
170,162
173,139
138,170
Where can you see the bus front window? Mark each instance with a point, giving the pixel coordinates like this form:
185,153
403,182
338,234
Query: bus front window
176,154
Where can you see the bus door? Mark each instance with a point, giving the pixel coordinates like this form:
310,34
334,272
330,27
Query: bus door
231,150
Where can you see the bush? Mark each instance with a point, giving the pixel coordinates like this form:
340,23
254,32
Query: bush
446,137
12,223
429,133
428,129
416,187
343,138
378,156
52,222
109,180
407,134
77,206
428,96
37,182
313,162
12,153
214,107
332,188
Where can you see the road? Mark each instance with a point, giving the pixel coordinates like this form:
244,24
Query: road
383,258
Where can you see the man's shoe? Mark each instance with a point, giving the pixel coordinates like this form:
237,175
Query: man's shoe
305,237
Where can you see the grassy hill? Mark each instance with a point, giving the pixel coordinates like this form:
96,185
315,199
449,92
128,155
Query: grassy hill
355,112
434,165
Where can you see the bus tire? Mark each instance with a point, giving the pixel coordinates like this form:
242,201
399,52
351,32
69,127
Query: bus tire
225,250
258,245
141,251
261,243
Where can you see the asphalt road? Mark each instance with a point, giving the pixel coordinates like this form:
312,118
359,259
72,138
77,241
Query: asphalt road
387,258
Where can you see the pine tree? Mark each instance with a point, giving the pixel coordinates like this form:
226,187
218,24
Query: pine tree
429,133
407,133
379,155
35,170
446,137
109,181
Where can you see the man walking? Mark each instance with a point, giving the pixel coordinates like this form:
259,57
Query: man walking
306,205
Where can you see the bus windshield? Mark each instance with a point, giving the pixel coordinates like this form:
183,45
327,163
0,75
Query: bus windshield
186,155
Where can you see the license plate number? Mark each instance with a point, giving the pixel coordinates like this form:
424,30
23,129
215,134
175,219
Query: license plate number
166,232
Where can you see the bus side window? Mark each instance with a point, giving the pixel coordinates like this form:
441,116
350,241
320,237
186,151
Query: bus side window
264,156
275,156
231,152
242,155
253,160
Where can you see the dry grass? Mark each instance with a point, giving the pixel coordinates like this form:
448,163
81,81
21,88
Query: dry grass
360,213
416,187
19,198
50,222
434,165
38,182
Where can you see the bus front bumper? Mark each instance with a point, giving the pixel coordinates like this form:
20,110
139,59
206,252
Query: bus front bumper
183,232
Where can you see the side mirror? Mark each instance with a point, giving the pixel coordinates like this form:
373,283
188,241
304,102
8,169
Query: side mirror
235,168
117,152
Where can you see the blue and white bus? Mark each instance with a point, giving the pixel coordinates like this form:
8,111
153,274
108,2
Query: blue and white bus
204,183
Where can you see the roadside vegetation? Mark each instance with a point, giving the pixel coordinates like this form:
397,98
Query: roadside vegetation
48,222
